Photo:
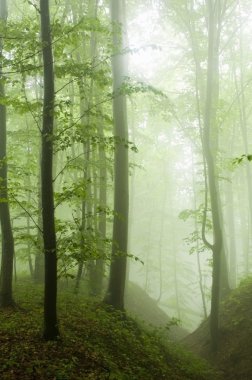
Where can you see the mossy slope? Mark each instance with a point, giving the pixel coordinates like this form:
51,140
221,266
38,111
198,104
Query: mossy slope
139,304
96,343
235,349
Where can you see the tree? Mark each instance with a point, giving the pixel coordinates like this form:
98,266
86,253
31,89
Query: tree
209,150
6,228
116,287
51,330
209,134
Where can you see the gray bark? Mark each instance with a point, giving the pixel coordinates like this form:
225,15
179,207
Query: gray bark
116,288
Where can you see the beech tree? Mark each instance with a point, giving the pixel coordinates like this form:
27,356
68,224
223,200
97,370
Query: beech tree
216,9
117,278
51,330
6,228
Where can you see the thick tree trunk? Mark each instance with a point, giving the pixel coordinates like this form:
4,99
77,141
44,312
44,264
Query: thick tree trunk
209,112
6,228
50,311
116,288
209,149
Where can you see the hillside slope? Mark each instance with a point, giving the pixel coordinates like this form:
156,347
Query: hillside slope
139,304
235,351
96,343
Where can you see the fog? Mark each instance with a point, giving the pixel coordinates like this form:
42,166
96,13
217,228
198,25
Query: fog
167,190
125,151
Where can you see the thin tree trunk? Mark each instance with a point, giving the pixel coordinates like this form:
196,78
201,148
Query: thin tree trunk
39,264
147,265
201,286
239,87
161,234
102,220
232,235
84,204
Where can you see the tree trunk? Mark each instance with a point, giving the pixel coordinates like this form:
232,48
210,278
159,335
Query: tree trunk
213,134
209,146
39,262
51,331
116,288
102,221
201,284
96,267
6,298
85,202
241,100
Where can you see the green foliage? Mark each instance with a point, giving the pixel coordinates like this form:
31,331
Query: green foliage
194,239
75,245
197,215
131,86
76,73
173,322
71,192
238,160
136,258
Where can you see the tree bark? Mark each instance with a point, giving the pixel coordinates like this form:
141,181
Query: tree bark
214,19
6,298
209,140
116,288
51,330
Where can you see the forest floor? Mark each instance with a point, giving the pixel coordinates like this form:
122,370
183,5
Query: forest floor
96,343
234,355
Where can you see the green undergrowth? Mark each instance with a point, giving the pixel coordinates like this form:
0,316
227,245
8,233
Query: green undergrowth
96,343
233,358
